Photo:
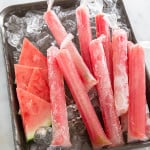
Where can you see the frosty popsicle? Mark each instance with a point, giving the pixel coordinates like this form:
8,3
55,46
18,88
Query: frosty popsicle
104,89
137,97
120,72
102,28
60,129
84,33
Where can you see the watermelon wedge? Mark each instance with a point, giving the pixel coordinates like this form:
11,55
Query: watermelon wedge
23,75
31,56
60,132
38,84
35,112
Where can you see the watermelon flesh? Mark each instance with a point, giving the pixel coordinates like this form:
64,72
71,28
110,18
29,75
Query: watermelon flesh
38,84
31,56
60,128
23,75
60,34
84,30
35,112
94,128
102,28
137,90
104,89
120,71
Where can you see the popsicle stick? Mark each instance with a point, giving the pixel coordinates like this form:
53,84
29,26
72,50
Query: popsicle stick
137,97
120,71
94,128
104,89
60,34
60,129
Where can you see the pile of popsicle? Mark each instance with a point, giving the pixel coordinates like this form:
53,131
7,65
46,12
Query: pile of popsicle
111,64
114,65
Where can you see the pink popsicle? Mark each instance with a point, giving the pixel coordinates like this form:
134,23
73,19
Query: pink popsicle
102,28
95,131
60,134
104,89
120,71
59,34
84,33
137,97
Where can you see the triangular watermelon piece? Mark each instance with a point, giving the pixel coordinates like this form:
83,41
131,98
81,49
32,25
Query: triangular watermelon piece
38,84
35,112
23,74
31,56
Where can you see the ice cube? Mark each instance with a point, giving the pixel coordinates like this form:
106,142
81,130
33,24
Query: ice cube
95,6
35,23
43,136
55,148
35,146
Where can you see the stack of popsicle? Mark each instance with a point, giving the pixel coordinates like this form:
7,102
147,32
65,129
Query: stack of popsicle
116,68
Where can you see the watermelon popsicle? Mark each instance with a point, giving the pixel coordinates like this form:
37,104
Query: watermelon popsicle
60,34
60,129
84,33
95,131
120,72
137,97
102,28
104,89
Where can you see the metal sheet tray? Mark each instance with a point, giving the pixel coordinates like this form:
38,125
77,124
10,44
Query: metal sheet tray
19,138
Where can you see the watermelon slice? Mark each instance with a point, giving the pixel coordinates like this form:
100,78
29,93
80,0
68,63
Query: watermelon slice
31,56
23,75
35,112
38,84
